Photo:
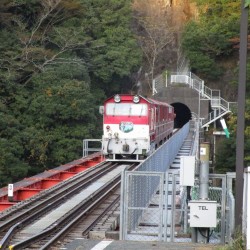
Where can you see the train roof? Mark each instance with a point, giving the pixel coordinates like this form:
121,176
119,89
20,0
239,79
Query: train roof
150,100
158,102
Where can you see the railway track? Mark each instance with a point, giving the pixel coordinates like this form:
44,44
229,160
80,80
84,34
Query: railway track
14,221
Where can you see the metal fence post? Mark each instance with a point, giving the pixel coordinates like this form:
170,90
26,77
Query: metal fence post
166,205
172,231
161,202
223,209
122,204
246,207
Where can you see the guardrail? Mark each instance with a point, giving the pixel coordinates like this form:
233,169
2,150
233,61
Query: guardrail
220,105
139,186
87,148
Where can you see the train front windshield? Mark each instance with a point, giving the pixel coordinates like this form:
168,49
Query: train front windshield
126,109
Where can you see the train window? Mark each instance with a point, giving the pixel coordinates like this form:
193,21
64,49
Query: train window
126,109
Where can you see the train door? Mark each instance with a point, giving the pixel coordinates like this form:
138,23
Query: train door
158,124
152,119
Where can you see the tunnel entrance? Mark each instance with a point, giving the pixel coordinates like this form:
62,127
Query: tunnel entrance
183,114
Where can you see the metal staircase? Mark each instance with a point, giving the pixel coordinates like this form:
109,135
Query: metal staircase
219,105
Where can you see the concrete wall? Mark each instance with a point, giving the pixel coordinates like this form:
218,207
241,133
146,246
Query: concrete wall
185,95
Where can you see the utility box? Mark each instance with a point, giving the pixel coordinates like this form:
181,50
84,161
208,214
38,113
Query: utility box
203,213
187,170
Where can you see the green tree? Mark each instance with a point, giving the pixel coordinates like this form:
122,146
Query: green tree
58,116
206,41
114,54
57,59
207,44
226,158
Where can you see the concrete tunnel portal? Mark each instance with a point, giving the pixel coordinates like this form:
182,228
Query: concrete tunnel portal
183,114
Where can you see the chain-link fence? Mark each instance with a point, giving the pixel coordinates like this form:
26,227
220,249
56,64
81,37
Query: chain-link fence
155,207
143,196
164,155
160,215
142,214
220,190
217,192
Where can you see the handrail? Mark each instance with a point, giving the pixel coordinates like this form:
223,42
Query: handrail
213,116
217,102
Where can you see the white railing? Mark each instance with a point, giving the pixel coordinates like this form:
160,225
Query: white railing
196,138
91,145
196,83
159,83
217,102
220,105
213,116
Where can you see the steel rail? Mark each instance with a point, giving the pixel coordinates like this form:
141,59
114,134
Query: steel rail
86,205
56,197
24,204
105,211
65,229
50,203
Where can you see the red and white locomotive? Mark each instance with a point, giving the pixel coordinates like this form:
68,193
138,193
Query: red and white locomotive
134,126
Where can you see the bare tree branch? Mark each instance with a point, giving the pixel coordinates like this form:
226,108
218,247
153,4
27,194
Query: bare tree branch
154,30
49,6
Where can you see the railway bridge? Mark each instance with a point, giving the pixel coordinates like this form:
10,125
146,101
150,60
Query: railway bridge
88,203
85,203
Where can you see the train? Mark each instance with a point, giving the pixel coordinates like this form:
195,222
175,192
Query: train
134,126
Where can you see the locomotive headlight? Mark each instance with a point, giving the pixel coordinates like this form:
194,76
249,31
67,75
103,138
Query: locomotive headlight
117,98
136,99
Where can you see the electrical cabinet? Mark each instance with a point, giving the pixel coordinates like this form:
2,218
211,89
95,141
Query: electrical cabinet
187,170
203,213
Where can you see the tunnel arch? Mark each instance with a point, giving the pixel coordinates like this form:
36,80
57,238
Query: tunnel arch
183,114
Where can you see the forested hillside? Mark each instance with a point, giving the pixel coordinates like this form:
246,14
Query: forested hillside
209,43
59,59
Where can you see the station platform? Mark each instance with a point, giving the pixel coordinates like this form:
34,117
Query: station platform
84,244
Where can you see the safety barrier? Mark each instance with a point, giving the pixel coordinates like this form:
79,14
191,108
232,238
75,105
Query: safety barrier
220,190
164,155
144,185
155,207
90,145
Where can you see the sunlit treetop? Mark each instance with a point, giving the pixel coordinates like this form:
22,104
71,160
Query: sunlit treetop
247,2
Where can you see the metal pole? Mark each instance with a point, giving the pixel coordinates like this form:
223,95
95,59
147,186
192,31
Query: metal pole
247,207
204,171
199,107
223,209
203,233
241,117
122,220
166,213
173,205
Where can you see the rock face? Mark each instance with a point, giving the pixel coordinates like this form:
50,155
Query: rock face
160,23
174,12
182,11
